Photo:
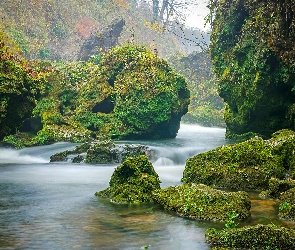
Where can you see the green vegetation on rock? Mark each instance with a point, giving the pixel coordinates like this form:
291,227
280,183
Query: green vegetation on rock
276,187
252,237
20,85
131,93
246,165
203,202
287,206
252,49
132,182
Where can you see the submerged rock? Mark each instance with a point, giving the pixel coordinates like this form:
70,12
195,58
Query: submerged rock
245,165
203,202
104,152
132,182
252,237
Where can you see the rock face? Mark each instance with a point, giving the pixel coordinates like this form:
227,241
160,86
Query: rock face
105,40
203,202
247,165
252,237
132,182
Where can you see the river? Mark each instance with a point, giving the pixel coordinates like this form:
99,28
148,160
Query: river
47,205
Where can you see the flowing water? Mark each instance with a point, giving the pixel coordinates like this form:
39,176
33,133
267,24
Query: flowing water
52,205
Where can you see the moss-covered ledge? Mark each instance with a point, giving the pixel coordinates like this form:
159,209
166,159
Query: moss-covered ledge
203,202
269,237
132,182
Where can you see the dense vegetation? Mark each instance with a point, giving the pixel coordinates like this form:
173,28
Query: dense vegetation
19,87
252,48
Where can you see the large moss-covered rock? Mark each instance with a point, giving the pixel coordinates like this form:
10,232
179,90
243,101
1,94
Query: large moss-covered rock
203,202
127,93
253,237
252,49
149,97
245,165
132,182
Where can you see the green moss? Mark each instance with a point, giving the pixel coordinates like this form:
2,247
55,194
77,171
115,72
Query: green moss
253,237
132,182
204,203
245,165
276,187
287,206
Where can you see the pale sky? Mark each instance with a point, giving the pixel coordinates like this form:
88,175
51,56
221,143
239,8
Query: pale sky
197,14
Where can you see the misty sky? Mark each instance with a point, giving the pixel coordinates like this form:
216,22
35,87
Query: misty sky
197,14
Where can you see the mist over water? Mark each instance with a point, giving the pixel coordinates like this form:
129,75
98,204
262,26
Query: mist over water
47,205
15,156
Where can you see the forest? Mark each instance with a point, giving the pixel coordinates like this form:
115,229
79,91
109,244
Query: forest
95,73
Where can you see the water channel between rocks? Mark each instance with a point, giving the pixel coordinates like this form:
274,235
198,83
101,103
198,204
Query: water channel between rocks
52,205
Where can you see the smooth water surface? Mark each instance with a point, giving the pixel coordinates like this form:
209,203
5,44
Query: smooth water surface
52,205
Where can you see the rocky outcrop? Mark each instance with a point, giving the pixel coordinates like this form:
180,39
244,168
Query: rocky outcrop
132,182
102,41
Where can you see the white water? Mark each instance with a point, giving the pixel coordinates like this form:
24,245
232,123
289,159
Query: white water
52,205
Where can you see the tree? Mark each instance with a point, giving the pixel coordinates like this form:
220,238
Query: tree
165,10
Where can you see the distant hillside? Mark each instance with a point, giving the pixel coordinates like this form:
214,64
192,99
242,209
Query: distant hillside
52,29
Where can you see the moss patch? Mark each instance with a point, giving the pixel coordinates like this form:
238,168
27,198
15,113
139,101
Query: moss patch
253,237
277,187
287,206
132,182
202,202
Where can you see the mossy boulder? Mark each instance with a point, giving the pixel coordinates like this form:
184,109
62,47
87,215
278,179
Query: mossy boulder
132,182
245,165
287,205
203,203
130,93
252,237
